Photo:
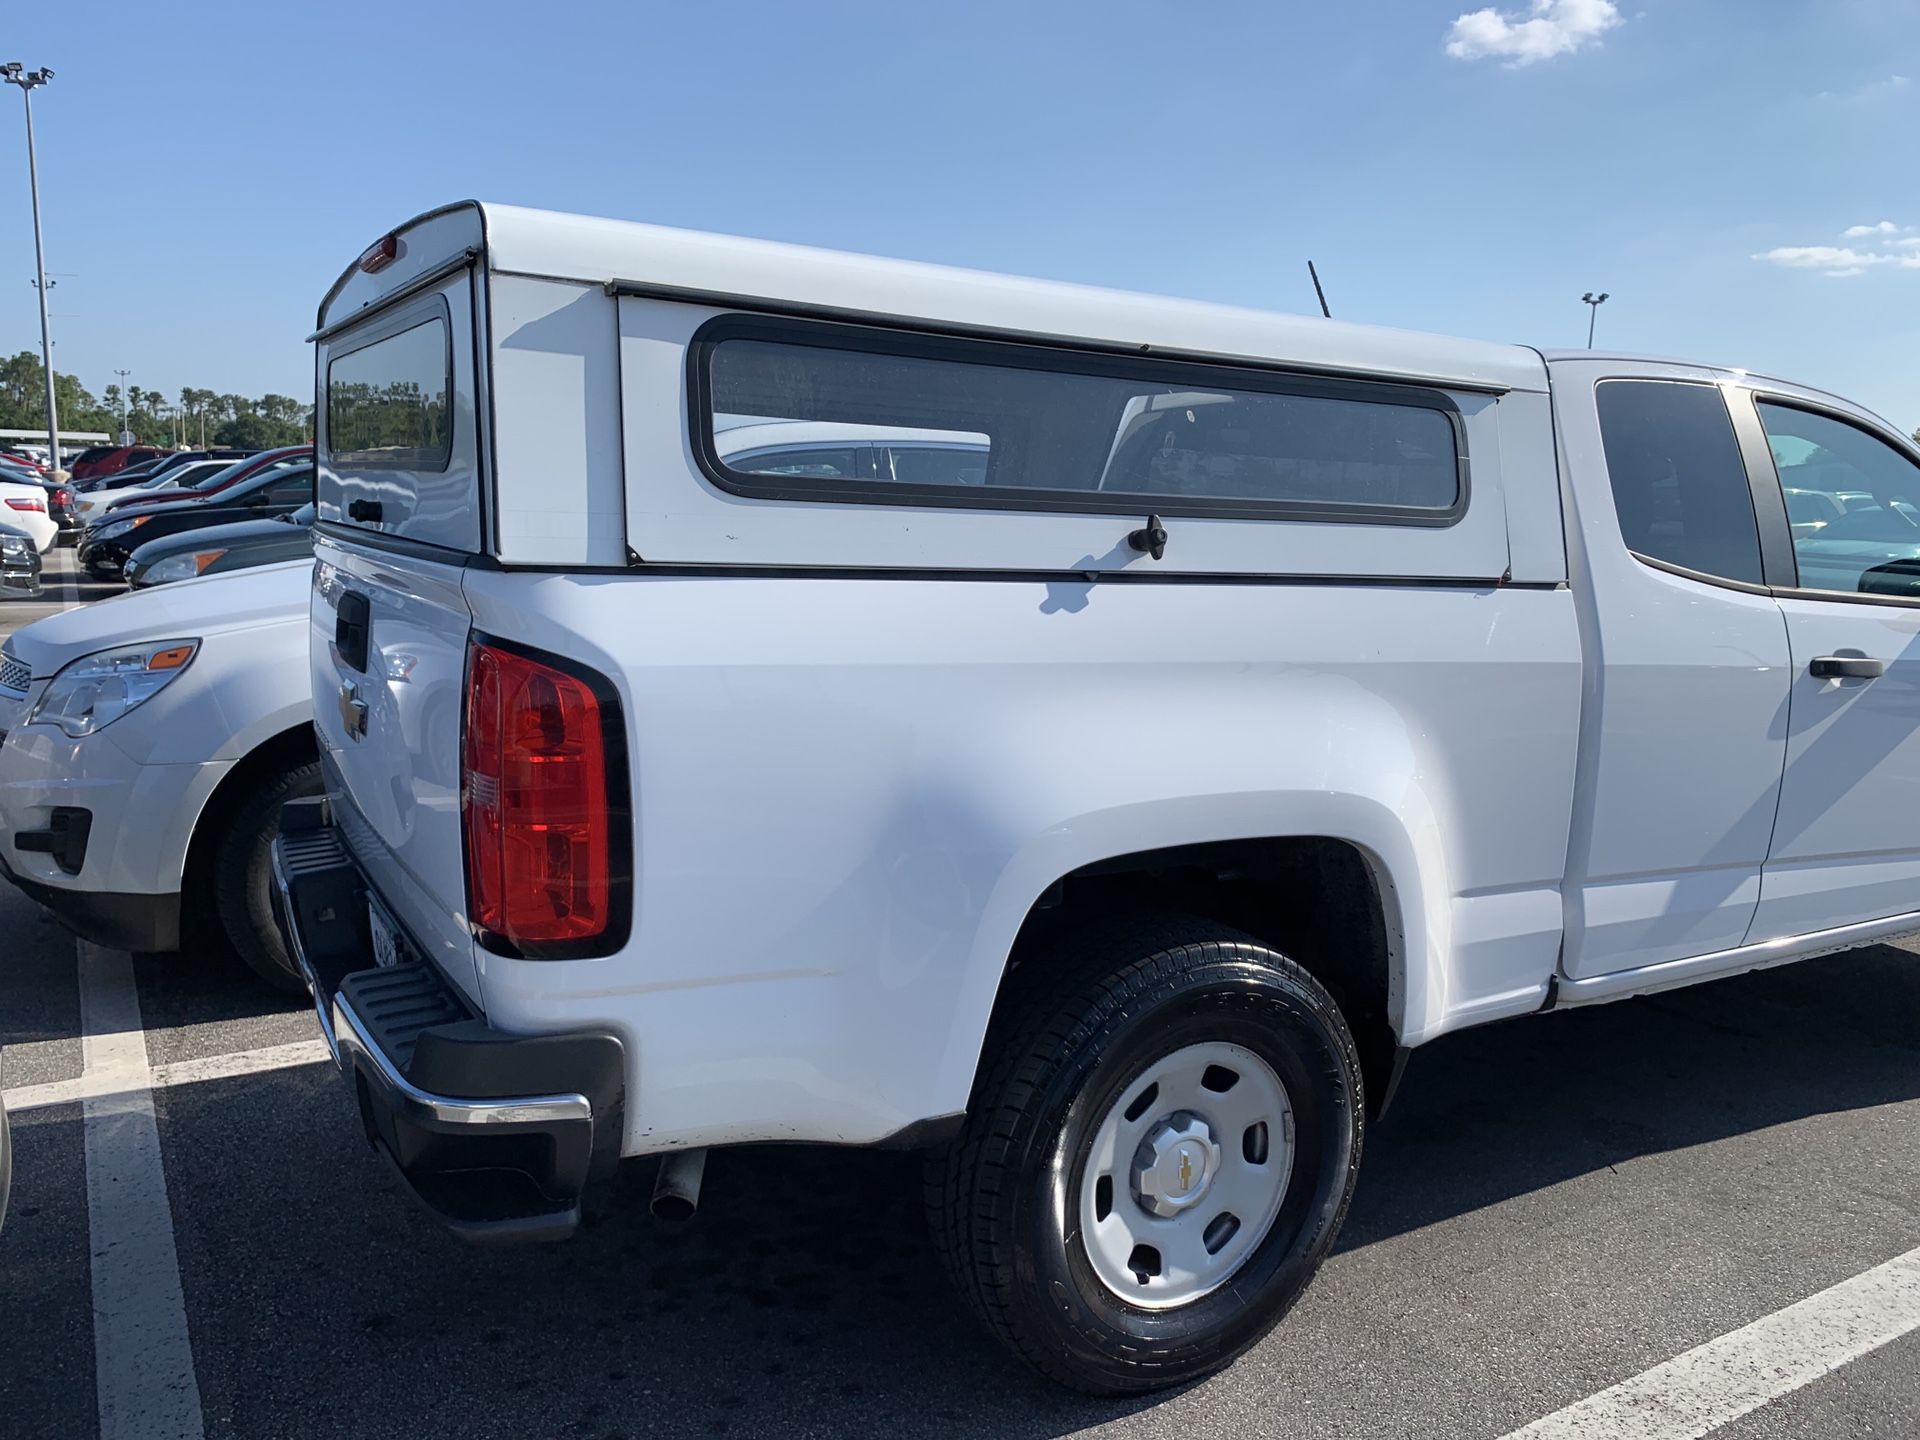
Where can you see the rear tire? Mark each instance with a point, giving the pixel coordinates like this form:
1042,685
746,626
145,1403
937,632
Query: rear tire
242,875
1024,1203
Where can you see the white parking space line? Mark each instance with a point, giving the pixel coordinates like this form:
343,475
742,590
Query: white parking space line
1713,1384
69,581
181,1072
143,1359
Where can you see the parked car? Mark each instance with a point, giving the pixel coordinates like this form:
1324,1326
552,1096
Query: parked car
19,563
179,480
217,549
105,459
63,507
207,481
269,492
149,741
117,479
17,456
23,504
1107,816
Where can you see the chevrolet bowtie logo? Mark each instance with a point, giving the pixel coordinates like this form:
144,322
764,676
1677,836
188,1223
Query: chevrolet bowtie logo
353,711
1186,1171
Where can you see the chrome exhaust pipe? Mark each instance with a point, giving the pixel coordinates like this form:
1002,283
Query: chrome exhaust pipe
676,1194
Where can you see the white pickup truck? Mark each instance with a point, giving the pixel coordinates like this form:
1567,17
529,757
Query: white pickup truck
774,695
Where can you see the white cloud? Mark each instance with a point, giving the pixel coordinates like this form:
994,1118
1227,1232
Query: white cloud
1899,247
1870,93
1548,28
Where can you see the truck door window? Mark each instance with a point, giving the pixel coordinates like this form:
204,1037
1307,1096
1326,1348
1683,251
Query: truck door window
1679,486
1861,498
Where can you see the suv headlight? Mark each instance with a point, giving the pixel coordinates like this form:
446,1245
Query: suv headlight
179,567
92,692
15,547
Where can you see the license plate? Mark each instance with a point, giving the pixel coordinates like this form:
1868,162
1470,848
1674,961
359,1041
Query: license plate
386,949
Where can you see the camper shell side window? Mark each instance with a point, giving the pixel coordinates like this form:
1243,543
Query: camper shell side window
898,418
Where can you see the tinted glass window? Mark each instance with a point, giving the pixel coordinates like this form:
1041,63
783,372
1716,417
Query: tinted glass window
1678,482
294,487
938,464
388,402
1854,501
1027,426
826,461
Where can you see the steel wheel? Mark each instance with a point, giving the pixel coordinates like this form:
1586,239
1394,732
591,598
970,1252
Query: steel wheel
1187,1171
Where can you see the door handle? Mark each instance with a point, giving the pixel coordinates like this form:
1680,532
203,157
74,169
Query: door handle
1847,667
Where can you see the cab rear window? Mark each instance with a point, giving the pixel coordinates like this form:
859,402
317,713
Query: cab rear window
798,410
389,404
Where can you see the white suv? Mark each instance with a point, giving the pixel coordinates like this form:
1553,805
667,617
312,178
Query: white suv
147,743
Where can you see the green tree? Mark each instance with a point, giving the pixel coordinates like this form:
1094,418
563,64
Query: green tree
23,397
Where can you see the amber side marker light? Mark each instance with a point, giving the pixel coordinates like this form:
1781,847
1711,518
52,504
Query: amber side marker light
170,659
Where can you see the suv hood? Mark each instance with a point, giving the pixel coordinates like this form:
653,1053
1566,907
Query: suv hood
210,605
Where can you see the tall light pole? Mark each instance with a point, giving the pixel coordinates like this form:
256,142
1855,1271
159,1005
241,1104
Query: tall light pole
123,374
1594,302
29,81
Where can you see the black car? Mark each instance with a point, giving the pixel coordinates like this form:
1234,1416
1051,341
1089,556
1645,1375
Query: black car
60,507
19,563
217,549
107,545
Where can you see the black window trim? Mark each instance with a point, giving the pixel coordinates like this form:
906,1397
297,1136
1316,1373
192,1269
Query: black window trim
396,321
1765,474
876,339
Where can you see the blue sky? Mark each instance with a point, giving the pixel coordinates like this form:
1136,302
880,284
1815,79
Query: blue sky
208,169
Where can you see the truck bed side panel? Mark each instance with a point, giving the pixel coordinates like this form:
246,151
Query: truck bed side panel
849,793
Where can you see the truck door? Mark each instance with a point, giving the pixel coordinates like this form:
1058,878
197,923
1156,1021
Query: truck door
1846,844
1684,715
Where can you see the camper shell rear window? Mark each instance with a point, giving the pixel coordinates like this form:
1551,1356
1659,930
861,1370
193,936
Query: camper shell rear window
390,403
795,409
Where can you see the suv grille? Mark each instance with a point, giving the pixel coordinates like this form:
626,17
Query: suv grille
15,674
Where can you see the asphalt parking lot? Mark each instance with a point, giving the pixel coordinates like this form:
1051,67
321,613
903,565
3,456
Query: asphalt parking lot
1555,1206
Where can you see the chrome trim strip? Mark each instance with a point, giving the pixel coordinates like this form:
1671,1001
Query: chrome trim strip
410,1100
1671,974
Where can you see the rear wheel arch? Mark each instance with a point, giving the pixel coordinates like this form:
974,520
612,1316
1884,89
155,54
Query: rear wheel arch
1328,903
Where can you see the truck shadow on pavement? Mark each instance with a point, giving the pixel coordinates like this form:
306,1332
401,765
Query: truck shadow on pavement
805,1298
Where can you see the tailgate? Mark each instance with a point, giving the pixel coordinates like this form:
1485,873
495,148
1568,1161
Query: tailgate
397,515
388,647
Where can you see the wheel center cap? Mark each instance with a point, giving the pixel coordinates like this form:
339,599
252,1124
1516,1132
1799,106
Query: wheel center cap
1175,1164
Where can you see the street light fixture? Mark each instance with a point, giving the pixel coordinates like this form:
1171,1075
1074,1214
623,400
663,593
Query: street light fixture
30,80
1594,302
123,374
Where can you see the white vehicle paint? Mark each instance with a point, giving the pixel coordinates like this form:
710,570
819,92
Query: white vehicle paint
147,778
1390,652
23,505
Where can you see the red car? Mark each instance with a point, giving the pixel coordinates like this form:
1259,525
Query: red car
105,459
232,475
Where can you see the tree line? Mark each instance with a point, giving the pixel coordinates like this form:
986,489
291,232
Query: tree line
194,417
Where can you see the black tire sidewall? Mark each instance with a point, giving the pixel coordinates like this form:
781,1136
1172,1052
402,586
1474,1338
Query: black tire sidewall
1233,998
244,875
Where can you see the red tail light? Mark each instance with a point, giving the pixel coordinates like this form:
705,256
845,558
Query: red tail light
38,506
543,802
